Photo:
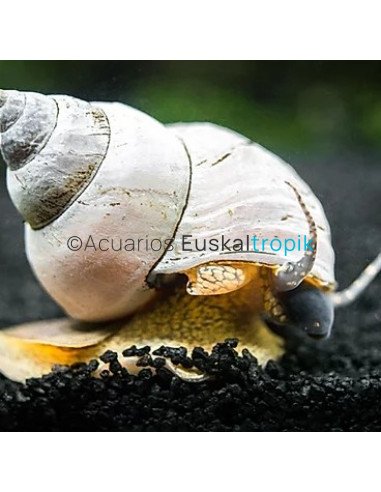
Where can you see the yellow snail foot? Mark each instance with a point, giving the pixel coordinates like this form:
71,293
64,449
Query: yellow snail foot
175,319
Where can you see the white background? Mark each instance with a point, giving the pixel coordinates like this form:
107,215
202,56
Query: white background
193,29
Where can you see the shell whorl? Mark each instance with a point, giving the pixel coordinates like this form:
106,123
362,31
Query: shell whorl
26,124
53,146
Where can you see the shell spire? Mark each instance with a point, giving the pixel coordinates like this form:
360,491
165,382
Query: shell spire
52,146
25,124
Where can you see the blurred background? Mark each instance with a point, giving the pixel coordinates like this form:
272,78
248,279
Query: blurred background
323,117
289,106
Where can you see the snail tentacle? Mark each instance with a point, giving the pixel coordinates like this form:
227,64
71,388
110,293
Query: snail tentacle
351,293
291,274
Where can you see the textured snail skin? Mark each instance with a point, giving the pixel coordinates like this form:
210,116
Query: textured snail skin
32,349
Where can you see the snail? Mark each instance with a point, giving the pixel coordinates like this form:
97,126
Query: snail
106,171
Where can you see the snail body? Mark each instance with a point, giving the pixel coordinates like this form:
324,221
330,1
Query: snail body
174,319
105,170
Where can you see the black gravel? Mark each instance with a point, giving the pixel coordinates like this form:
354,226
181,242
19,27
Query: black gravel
329,385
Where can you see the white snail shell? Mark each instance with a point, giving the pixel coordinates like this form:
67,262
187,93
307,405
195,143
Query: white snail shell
107,170
100,170
240,188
